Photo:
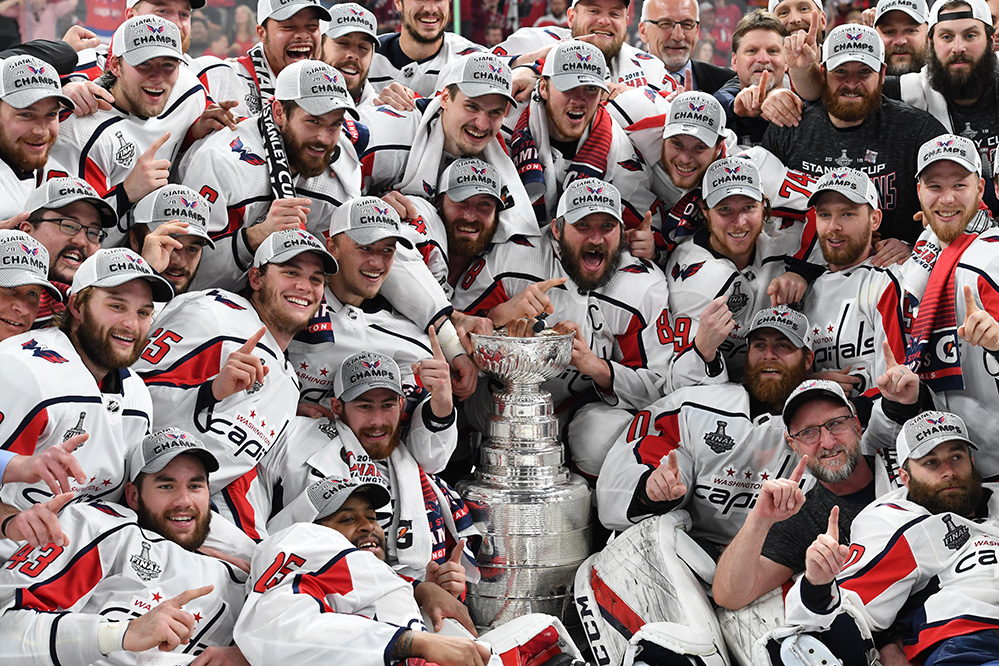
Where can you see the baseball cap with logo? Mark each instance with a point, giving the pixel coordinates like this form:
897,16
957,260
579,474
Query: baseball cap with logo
175,202
116,266
142,38
979,10
730,176
958,149
916,9
24,261
25,80
61,192
160,447
328,495
853,43
349,17
367,220
921,434
469,176
810,389
282,10
573,64
588,196
316,87
364,371
483,74
852,184
772,5
791,323
696,114
282,246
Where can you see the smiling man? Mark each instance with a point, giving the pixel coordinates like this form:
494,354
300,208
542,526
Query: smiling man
902,26
349,45
24,268
215,363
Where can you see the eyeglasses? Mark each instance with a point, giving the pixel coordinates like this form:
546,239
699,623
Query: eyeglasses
667,25
71,227
836,426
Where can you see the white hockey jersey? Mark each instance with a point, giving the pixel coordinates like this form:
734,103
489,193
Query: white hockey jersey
418,76
229,169
53,598
16,186
901,551
193,337
52,396
724,455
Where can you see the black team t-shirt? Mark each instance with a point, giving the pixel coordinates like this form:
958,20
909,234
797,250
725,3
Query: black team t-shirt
884,147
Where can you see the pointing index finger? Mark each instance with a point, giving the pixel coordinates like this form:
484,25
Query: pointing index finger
435,345
548,284
157,144
799,470
764,80
890,361
189,595
969,301
833,527
456,553
251,344
813,29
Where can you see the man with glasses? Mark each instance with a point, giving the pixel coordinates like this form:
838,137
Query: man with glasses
68,217
670,28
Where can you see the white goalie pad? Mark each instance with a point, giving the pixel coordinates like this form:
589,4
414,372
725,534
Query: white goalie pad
675,638
645,576
529,640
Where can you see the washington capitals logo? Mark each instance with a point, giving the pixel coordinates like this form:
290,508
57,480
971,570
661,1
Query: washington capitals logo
380,211
630,165
681,273
355,12
224,300
838,175
804,386
33,251
43,352
780,313
480,172
35,70
152,29
388,111
854,36
494,68
594,190
694,107
189,204
244,155
170,435
304,236
583,58
328,77
643,56
733,170
372,365
135,259
944,144
635,268
429,189
935,421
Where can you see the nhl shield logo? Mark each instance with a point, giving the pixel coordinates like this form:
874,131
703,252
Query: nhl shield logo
957,535
144,567
719,441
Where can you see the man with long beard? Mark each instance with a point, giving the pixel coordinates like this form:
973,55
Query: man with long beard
74,378
235,170
581,271
854,126
128,580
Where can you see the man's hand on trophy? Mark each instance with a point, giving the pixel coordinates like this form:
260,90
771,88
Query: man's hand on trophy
583,358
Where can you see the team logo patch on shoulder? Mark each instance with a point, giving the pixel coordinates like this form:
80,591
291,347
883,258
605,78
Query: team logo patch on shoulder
143,566
521,240
389,111
635,268
43,352
957,535
719,441
630,165
236,145
224,300
681,273
429,189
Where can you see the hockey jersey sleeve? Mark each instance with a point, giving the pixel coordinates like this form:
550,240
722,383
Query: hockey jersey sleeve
432,440
413,290
26,420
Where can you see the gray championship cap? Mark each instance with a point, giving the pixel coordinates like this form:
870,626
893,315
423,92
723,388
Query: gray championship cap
142,38
363,372
730,176
175,202
282,246
852,184
162,446
282,10
696,114
573,64
588,196
61,192
916,9
957,149
810,389
979,10
783,319
328,495
114,267
853,43
25,80
316,87
367,220
349,17
481,74
24,261
469,176
921,434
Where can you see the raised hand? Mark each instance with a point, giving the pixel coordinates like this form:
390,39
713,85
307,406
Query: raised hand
825,558
88,97
641,241
435,375
450,575
166,626
529,303
749,101
241,370
898,383
214,118
283,214
786,289
782,498
665,483
980,328
801,49
161,242
149,174
842,377
54,466
714,325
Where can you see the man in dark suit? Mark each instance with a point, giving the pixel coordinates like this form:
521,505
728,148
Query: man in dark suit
670,29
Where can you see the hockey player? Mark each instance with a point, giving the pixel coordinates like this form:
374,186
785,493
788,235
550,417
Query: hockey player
418,54
564,133
290,167
941,601
215,364
24,268
603,23
349,45
580,271
128,580
169,228
30,101
75,378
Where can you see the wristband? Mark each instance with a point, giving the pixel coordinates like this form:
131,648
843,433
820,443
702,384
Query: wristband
3,525
111,637
447,337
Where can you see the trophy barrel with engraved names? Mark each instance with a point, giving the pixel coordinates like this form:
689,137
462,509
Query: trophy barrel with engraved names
533,514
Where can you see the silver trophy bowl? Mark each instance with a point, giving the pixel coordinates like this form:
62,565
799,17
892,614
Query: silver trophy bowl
518,361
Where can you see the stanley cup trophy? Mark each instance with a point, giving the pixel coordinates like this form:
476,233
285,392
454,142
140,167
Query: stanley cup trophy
533,514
